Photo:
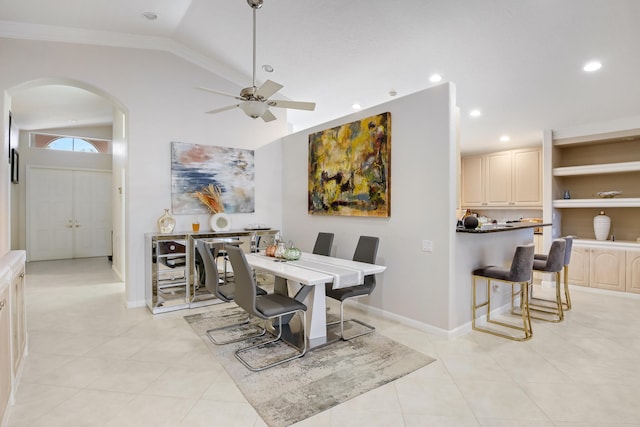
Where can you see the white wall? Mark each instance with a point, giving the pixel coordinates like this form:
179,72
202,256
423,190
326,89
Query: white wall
423,202
156,90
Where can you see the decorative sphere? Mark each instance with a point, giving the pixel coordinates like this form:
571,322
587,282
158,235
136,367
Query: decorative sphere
292,254
470,222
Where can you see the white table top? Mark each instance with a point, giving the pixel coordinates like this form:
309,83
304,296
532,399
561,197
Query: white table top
288,271
312,269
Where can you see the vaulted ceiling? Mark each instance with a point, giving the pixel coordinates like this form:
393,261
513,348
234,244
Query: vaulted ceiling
517,61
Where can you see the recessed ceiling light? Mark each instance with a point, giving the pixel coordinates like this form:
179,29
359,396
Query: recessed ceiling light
505,138
475,113
435,78
356,106
592,66
393,92
268,68
150,16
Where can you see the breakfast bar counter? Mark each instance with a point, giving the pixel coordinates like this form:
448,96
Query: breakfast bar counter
493,228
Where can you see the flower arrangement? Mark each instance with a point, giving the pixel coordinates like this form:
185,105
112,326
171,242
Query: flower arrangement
211,197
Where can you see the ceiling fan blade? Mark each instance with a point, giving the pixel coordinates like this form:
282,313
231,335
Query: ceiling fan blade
268,116
296,105
219,110
217,92
267,89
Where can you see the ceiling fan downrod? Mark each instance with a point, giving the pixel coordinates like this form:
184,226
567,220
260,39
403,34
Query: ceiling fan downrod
255,5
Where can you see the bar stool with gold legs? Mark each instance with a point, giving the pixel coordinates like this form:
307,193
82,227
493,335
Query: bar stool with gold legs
552,264
566,304
518,274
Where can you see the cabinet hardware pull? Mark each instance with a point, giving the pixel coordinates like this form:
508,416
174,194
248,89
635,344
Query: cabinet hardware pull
22,274
2,304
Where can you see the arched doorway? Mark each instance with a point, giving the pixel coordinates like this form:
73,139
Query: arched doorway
71,108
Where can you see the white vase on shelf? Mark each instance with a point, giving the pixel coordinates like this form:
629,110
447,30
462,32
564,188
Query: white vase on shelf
601,226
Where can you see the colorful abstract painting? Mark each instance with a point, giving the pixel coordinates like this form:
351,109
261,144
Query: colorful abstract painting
350,169
194,167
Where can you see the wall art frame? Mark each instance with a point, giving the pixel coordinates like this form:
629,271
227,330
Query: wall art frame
350,169
9,137
15,166
195,167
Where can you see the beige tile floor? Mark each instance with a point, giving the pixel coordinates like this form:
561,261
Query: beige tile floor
92,362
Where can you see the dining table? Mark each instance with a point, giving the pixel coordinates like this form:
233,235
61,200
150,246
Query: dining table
305,279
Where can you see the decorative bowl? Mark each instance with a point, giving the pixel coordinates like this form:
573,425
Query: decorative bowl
608,194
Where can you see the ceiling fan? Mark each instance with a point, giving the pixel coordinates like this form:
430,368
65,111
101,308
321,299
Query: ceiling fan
255,100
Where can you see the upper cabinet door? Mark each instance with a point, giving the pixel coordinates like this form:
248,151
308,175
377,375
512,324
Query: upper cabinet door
527,174
498,178
473,181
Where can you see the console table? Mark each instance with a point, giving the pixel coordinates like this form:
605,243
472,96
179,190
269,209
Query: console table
170,279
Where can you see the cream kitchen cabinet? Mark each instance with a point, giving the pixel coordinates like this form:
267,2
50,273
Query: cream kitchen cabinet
633,271
18,317
605,265
13,333
473,181
607,269
503,179
5,347
579,266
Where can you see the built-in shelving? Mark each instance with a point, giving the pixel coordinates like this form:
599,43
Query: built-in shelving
597,203
605,168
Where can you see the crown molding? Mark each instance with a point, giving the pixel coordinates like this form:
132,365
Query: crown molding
50,33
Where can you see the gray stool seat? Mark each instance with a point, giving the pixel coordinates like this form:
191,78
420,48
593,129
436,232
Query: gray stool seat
519,273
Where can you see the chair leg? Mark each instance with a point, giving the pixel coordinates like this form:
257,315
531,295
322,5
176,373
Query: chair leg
260,331
556,310
526,320
342,321
265,343
567,297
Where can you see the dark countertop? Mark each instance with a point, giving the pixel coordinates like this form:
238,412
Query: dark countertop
494,228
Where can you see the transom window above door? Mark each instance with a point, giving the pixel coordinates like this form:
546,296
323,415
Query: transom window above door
69,143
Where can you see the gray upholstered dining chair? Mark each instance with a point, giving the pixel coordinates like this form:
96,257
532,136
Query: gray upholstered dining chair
265,307
323,244
552,263
566,305
519,273
366,251
223,291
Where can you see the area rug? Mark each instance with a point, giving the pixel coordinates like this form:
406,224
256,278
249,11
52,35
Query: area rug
323,378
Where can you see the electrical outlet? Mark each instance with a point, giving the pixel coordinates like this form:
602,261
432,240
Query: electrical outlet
427,245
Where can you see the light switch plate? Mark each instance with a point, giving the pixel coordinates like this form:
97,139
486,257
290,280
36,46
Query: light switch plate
427,245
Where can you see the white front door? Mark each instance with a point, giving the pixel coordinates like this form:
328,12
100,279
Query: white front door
69,214
92,214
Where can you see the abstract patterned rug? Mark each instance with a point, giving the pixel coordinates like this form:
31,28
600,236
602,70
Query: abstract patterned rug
323,378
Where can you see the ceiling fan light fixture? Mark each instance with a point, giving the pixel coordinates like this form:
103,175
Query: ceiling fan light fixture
253,109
